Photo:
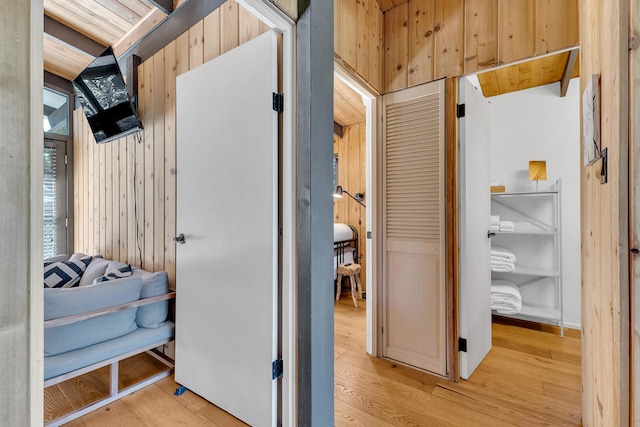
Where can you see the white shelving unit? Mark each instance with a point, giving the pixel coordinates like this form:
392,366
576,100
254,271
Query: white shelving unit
537,244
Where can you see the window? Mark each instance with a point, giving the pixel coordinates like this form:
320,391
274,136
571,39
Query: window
56,127
56,112
55,199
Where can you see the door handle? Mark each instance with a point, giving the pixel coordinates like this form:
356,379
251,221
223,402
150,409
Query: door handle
179,239
490,234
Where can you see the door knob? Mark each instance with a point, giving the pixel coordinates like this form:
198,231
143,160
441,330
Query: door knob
490,234
179,239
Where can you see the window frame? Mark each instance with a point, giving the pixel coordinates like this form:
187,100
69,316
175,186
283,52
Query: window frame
67,142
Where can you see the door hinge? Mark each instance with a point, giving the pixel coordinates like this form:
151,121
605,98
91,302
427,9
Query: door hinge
277,369
369,234
462,344
382,327
460,110
66,222
65,159
278,102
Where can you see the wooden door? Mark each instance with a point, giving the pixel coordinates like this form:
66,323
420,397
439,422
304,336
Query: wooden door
227,209
475,212
414,285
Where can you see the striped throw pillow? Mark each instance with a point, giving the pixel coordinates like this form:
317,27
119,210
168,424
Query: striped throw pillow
115,274
64,274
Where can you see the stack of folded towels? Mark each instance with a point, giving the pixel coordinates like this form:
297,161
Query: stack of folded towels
506,226
497,225
505,297
502,260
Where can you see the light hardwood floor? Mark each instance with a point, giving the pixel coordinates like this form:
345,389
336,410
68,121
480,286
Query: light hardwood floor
529,378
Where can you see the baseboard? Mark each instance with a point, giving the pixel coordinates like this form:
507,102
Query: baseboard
568,331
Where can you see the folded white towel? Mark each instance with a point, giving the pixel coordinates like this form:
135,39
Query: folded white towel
497,262
503,268
494,228
503,254
506,226
505,297
495,220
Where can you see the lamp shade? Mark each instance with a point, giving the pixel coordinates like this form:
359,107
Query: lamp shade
537,170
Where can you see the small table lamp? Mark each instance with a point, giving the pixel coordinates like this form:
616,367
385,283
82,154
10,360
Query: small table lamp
537,171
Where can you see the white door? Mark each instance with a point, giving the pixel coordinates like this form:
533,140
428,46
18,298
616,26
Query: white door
475,212
227,201
414,286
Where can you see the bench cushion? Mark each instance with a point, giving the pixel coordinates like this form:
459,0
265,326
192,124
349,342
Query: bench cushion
66,302
153,284
140,338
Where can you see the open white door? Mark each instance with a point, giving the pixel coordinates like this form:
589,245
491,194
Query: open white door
227,197
414,284
475,213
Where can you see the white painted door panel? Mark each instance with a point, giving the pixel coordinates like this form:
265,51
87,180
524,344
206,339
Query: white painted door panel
475,212
414,306
226,308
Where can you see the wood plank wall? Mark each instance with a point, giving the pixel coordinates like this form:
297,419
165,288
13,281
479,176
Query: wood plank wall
427,40
604,221
351,150
358,38
106,197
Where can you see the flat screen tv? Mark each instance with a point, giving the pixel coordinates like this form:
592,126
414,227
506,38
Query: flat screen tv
101,91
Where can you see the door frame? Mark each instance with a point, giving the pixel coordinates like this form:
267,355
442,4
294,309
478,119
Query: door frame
282,24
370,97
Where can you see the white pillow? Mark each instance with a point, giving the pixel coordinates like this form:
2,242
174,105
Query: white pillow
96,269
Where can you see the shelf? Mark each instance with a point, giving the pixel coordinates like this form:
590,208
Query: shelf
527,233
545,313
531,271
525,193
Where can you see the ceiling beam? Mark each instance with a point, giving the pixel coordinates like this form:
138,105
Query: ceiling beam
164,5
183,18
71,37
568,70
338,129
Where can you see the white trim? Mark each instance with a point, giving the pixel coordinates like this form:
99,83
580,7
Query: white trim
36,294
370,99
281,23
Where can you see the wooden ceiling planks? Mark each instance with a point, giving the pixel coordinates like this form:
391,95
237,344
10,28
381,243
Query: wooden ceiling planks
348,107
537,72
62,59
109,22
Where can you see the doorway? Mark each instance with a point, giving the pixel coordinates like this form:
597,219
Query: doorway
355,110
529,240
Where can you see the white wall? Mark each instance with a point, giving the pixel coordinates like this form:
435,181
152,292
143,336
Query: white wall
537,124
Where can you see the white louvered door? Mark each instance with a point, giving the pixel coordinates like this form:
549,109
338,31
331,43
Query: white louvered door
414,296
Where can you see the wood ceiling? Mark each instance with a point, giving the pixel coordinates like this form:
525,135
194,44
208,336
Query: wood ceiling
537,72
348,107
73,23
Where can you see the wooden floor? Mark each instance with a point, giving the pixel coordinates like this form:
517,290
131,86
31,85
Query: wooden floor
529,378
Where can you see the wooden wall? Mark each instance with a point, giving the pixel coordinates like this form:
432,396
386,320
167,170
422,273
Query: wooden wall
358,33
427,40
351,150
604,219
106,197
